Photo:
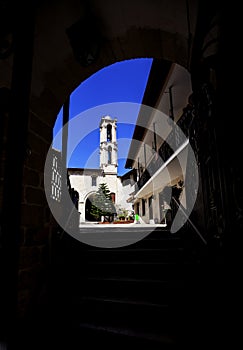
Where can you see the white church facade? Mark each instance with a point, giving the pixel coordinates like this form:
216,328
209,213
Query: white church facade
86,181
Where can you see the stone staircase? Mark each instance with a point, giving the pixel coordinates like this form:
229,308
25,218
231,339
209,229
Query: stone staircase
140,295
154,294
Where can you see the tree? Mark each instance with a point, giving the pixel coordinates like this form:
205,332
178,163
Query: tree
102,204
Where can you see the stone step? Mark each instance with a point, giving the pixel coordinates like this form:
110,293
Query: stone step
104,237
140,315
118,337
133,255
140,289
123,269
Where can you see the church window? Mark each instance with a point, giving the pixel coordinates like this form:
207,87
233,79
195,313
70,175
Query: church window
94,180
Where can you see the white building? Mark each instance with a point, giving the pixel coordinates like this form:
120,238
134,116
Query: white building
86,181
161,169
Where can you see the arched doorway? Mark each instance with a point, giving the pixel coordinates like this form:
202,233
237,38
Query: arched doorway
88,208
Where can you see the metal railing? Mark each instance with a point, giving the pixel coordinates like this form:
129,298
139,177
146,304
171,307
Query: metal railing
193,226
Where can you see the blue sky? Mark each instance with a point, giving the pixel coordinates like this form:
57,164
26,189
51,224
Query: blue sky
104,93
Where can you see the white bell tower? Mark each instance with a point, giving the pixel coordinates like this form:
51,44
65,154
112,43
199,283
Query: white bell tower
108,146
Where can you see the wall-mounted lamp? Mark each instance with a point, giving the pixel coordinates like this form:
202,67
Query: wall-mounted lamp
84,38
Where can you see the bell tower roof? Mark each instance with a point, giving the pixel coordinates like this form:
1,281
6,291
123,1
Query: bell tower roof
107,119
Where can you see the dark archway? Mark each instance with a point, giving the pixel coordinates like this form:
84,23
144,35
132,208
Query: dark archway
159,29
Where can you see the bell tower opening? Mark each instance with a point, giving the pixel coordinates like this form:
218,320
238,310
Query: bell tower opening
109,134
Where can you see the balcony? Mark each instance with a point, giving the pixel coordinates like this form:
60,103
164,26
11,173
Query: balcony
169,148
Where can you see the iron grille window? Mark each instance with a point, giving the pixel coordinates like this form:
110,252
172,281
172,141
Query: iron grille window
56,181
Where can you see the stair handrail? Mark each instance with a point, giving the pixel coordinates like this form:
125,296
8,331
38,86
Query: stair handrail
180,207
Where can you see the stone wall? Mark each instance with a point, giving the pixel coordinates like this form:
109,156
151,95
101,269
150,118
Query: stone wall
36,223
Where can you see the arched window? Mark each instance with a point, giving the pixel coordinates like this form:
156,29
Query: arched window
113,197
109,154
109,135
